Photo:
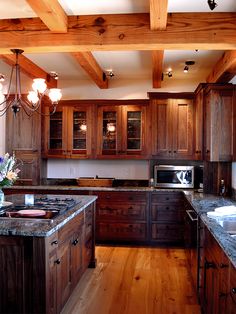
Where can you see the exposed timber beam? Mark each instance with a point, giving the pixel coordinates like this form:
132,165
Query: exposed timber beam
158,14
209,31
30,69
225,68
90,65
51,13
158,21
157,64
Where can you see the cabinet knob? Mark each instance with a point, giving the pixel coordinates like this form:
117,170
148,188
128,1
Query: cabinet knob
131,198
223,265
169,151
167,207
175,151
209,265
233,290
130,207
55,242
57,261
75,242
207,151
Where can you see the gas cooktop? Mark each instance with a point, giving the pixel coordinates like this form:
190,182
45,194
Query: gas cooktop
42,208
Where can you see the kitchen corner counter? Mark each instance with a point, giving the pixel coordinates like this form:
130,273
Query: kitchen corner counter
38,227
203,203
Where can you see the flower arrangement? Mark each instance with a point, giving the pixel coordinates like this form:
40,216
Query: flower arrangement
8,170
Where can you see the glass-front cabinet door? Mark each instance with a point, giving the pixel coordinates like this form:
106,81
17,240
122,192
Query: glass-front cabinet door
108,130
68,133
134,130
79,131
121,130
55,133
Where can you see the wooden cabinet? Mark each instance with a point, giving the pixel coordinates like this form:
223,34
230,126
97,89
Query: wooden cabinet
68,132
39,274
23,137
167,218
219,125
198,119
231,304
121,131
214,276
121,217
172,128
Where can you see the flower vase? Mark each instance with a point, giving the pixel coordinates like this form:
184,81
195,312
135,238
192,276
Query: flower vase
1,197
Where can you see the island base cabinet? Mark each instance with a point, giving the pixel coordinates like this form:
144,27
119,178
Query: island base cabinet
38,274
15,263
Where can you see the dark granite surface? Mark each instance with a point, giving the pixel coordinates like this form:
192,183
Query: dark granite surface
204,203
40,227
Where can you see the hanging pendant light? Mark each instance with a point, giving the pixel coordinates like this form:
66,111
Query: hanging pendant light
14,99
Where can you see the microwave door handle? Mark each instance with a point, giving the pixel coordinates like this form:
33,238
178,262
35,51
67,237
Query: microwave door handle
190,216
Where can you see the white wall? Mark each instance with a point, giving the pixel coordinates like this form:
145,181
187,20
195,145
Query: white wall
119,169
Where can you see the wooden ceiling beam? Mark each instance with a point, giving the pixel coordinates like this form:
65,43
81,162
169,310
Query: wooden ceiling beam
158,21
157,65
187,31
158,14
30,69
51,13
225,68
91,67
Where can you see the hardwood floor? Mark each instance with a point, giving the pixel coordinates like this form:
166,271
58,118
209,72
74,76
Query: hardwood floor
135,281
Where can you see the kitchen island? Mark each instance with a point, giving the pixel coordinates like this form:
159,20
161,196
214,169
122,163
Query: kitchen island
42,260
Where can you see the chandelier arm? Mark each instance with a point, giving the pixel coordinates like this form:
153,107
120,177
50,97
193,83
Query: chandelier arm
6,108
10,81
48,114
29,106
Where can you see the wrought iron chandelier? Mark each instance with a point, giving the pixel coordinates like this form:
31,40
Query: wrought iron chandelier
16,101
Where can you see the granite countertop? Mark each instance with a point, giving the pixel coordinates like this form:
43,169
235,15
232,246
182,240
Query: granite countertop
40,227
203,203
93,188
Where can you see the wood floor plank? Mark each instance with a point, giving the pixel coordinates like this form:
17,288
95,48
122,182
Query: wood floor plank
135,281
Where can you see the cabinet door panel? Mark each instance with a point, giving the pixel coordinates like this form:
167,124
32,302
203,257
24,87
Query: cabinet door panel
121,231
169,213
130,197
167,232
121,211
161,128
183,128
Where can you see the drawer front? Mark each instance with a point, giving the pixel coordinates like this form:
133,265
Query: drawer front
136,197
121,231
171,197
167,212
120,211
167,232
52,242
73,226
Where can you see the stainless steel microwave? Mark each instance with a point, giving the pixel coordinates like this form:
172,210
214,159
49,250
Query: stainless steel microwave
167,176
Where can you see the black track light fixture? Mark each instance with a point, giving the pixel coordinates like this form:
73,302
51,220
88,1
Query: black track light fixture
212,4
187,64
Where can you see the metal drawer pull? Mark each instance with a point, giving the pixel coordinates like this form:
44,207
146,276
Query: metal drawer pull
190,216
234,290
75,242
54,242
58,261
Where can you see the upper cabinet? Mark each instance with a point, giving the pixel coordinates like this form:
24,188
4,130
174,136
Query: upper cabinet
219,123
122,131
198,119
68,132
172,128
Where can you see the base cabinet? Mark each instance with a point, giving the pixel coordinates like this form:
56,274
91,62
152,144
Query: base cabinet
121,217
167,218
39,274
214,289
